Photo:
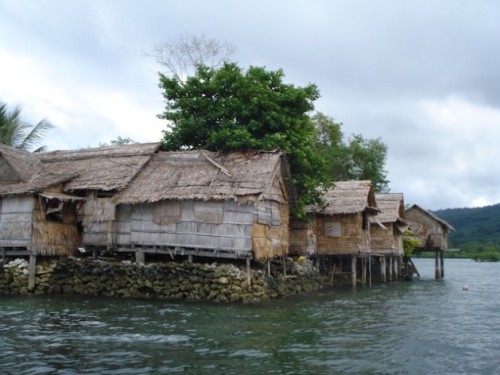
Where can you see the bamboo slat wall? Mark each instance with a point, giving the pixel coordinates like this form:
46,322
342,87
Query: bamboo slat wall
430,229
15,221
219,225
302,237
271,236
341,234
51,237
386,240
98,221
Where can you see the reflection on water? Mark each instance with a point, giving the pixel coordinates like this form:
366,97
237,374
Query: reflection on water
420,327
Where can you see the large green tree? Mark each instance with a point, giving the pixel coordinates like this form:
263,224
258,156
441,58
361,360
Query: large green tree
16,133
229,108
355,159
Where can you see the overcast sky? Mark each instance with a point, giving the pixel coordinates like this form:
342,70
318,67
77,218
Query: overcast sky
424,76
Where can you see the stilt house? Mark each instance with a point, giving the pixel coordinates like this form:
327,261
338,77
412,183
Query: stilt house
52,203
338,232
98,174
432,233
342,224
386,235
386,231
200,203
36,216
430,229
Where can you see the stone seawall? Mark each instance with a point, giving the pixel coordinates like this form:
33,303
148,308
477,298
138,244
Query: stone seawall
170,280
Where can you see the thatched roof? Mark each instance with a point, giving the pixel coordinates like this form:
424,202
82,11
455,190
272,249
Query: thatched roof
448,227
17,165
391,206
106,168
347,197
36,184
207,175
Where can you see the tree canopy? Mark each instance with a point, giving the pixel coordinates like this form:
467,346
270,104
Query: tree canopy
230,108
356,159
16,133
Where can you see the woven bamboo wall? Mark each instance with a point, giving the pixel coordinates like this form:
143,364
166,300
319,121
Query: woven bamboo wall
426,228
218,225
302,237
55,238
98,221
15,221
385,241
192,224
352,238
270,233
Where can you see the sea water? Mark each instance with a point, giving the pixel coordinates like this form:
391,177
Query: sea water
426,326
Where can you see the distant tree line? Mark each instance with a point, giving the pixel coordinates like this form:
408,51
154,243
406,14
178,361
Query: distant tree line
477,232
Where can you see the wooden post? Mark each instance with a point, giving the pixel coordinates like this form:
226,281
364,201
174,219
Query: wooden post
442,263
363,270
396,268
383,269
437,270
32,273
353,270
369,270
390,268
140,257
269,267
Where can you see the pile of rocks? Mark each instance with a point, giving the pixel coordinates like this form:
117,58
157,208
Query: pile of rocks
170,280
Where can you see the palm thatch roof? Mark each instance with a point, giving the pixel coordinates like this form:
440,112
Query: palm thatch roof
204,175
107,168
347,197
446,226
17,165
391,206
36,184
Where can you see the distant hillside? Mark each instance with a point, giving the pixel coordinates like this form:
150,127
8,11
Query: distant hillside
474,226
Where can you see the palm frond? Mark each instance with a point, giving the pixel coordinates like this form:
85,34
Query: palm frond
31,136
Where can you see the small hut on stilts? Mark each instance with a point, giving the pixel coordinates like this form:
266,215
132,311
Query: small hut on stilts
338,232
205,204
433,234
386,235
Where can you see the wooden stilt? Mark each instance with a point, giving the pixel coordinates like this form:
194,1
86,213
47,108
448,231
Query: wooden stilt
390,268
396,268
363,270
441,253
353,270
437,270
32,273
190,258
369,270
383,269
269,267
